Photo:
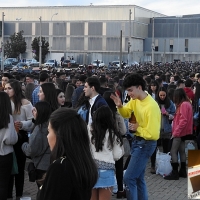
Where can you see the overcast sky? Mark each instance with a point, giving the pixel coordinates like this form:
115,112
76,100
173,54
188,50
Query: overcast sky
167,7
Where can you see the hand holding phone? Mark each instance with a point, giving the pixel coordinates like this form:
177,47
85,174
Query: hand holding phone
163,111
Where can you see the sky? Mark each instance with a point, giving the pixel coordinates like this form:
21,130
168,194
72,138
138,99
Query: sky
167,7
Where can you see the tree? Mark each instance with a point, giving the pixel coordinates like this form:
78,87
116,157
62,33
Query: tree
15,46
35,48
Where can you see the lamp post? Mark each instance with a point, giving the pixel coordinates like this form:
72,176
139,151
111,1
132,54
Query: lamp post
2,43
19,19
40,42
129,39
178,35
152,44
178,39
51,37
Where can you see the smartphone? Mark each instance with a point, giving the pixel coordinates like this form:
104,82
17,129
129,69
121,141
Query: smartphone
163,111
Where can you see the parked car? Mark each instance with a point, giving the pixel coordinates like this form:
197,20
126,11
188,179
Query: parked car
32,62
14,61
7,65
98,63
70,64
51,63
21,66
114,65
134,63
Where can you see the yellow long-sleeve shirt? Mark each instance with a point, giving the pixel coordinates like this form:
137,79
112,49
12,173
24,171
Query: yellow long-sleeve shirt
148,116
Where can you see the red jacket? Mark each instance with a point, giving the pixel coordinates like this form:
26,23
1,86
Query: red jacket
189,93
183,120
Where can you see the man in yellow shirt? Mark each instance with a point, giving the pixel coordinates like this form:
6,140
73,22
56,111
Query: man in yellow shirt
147,131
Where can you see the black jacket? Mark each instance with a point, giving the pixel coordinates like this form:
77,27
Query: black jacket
60,184
99,101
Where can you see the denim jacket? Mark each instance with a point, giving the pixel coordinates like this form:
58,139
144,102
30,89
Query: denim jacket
167,125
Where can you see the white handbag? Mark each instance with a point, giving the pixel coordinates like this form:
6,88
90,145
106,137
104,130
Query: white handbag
118,151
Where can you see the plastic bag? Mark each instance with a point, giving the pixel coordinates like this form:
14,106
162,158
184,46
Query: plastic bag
163,164
189,146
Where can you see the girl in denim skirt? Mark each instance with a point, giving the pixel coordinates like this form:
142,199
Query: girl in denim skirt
107,147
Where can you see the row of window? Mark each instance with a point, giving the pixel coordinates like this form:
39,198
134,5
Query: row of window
171,45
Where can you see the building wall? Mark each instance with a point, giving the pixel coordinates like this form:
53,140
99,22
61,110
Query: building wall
68,13
87,32
183,32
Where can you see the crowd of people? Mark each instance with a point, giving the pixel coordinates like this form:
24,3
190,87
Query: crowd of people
72,125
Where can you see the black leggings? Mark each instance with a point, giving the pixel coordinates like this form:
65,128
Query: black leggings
19,178
21,160
119,173
178,145
5,172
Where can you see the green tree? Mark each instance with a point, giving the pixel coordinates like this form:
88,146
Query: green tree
35,48
15,46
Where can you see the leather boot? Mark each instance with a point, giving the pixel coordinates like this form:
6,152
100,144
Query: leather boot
182,172
174,174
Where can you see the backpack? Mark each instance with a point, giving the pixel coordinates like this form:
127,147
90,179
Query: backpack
83,111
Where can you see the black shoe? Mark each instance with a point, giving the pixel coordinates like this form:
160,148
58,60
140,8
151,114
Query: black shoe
172,176
121,194
182,172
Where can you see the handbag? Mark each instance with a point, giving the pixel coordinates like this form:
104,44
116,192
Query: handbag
118,151
32,168
14,166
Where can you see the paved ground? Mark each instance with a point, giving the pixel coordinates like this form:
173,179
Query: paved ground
158,188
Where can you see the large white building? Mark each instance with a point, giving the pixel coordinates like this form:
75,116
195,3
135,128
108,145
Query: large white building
84,32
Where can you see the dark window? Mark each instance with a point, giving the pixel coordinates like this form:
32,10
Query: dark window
171,48
186,45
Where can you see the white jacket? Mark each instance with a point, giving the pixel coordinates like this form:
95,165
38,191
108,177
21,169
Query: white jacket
8,137
106,155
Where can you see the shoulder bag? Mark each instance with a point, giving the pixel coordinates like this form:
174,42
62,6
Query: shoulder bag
118,151
32,168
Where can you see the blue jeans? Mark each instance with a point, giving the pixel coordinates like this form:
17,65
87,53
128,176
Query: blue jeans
141,151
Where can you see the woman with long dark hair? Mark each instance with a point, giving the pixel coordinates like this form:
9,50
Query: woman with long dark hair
105,139
153,88
167,109
72,173
68,95
60,97
47,92
182,127
37,147
121,128
8,137
22,116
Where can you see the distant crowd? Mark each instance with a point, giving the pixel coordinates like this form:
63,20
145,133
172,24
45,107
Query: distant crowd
83,117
